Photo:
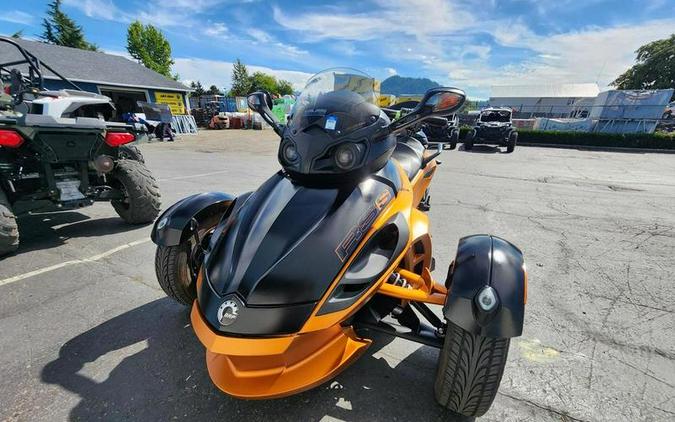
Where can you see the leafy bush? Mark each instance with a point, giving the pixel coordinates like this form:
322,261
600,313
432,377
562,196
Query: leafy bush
594,139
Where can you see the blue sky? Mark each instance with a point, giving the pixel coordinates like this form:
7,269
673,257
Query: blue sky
469,44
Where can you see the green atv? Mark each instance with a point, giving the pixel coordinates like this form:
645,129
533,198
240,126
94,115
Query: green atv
59,151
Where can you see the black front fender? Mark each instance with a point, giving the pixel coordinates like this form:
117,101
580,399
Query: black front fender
174,225
491,270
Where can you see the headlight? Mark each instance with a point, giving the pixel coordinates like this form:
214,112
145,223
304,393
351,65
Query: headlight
346,156
289,152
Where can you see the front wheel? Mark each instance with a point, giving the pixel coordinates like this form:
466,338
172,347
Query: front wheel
512,141
454,138
9,230
468,141
141,198
174,273
470,368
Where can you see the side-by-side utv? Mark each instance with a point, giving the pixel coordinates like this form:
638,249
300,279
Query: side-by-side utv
58,151
288,284
493,127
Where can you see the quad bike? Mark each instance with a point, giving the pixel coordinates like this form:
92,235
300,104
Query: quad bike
58,151
494,127
287,284
442,131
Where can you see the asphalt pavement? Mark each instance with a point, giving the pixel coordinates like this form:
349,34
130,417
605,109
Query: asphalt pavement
87,334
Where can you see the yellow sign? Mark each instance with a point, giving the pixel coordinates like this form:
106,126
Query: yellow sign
173,100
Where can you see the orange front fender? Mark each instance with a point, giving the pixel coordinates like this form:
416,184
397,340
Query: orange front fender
260,368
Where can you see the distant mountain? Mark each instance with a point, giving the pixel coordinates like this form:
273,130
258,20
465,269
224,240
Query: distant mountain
399,85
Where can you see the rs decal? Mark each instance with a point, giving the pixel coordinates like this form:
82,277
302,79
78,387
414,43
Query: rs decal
354,236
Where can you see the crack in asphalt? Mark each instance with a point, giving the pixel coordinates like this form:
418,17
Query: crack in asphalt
563,414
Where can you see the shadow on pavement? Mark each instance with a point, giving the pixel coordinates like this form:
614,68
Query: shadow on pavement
484,149
50,230
166,378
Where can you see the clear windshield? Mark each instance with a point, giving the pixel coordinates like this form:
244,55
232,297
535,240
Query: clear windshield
334,100
495,116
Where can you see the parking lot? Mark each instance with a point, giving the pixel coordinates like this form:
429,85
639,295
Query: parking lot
87,333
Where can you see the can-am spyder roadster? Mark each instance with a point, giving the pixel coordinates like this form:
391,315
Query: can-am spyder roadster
286,283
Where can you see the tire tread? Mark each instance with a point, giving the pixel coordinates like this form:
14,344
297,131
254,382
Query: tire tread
143,190
470,369
9,229
168,274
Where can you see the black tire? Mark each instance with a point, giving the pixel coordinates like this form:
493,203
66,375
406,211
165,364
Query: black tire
142,199
173,273
9,229
468,141
454,138
512,141
131,152
470,368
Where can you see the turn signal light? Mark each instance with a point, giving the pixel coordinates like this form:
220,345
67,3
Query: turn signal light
10,139
115,139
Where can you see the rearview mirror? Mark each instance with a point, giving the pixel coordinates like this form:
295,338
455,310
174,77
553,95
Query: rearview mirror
261,103
436,102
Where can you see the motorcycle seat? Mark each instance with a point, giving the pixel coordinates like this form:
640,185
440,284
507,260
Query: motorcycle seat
409,153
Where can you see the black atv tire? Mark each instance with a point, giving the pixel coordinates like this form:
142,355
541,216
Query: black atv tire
511,142
142,199
173,273
9,229
468,141
454,138
470,368
131,152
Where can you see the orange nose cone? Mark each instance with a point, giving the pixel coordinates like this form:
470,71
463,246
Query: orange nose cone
260,368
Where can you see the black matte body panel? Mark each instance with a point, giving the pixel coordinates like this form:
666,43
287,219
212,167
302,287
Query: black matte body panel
206,208
409,155
484,260
279,247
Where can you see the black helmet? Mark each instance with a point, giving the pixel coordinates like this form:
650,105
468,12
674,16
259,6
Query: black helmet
336,132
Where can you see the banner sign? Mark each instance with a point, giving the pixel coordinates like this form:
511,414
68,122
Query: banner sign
173,100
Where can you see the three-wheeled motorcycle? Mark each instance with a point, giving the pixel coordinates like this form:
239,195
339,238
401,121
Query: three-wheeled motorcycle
287,284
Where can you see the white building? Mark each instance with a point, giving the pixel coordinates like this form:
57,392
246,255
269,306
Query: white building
561,101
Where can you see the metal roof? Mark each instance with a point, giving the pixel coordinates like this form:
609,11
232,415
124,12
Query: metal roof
545,91
90,66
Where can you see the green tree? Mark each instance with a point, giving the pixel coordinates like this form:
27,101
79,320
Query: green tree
198,89
284,87
241,81
654,67
150,47
263,81
18,34
213,90
60,29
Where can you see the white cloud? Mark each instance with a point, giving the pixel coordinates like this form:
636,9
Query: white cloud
260,36
219,73
588,55
217,29
414,17
155,12
16,16
390,71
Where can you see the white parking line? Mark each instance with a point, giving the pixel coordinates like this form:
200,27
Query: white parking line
73,262
194,176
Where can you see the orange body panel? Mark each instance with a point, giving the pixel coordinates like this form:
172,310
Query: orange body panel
258,368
